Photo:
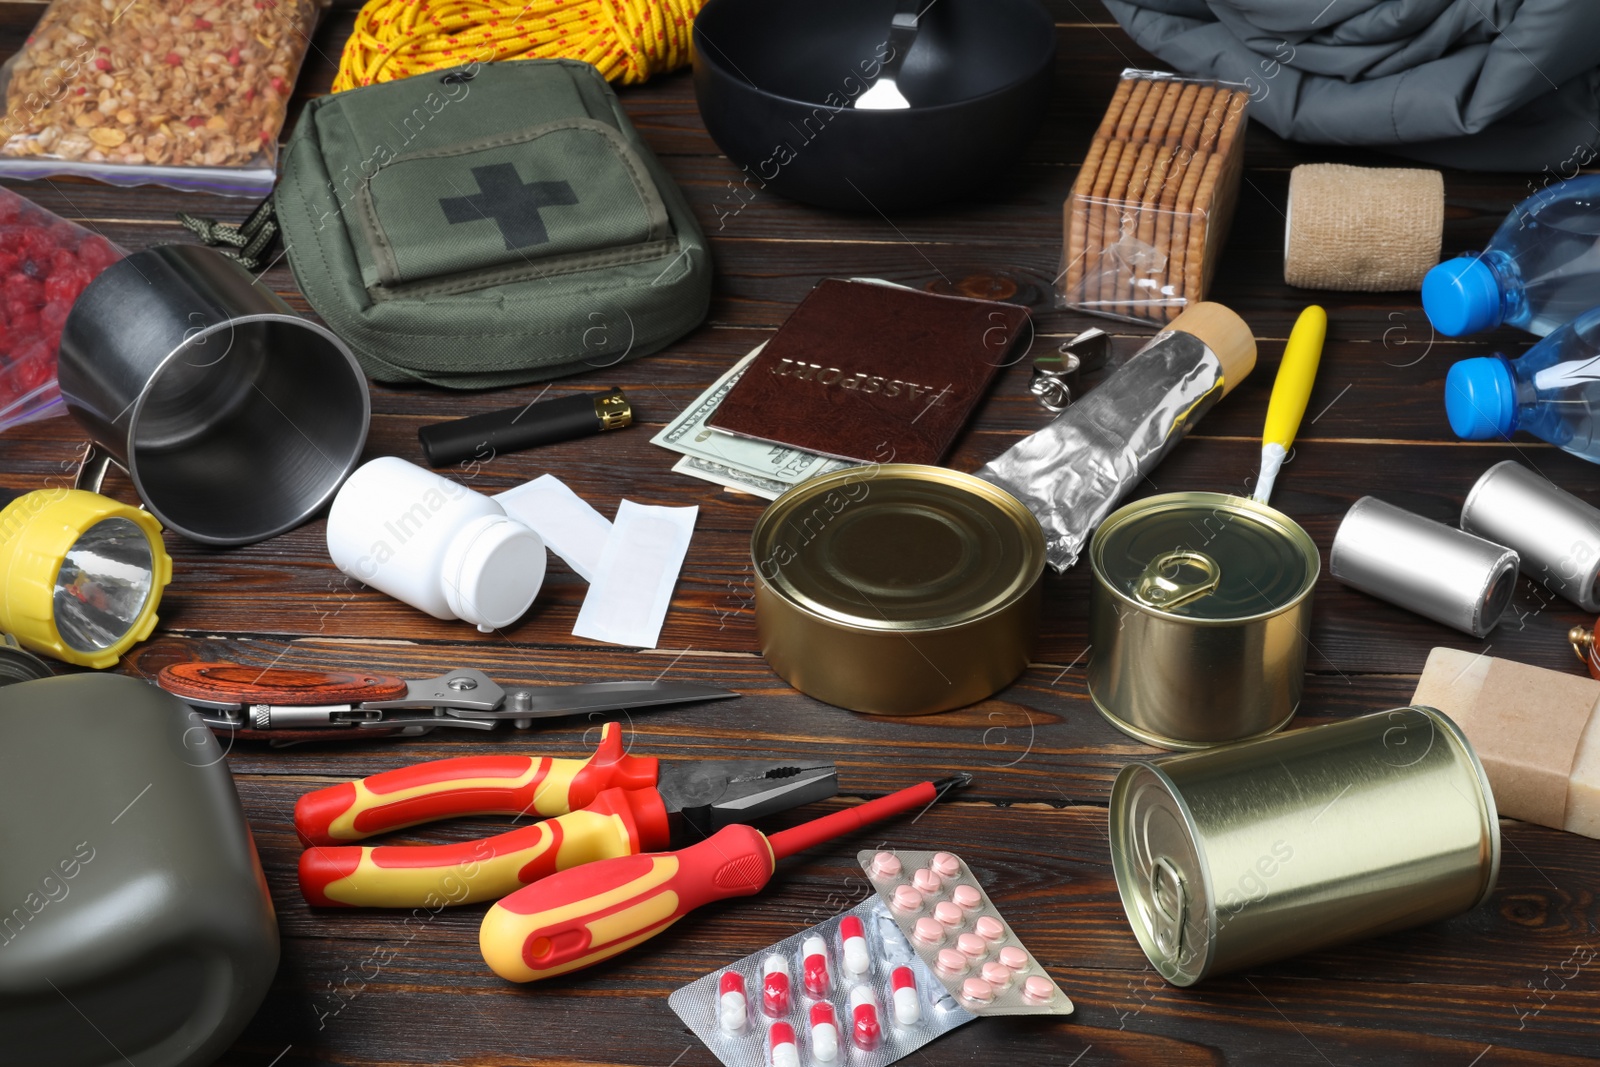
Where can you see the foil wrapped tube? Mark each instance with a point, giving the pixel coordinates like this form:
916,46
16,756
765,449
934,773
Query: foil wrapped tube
1072,473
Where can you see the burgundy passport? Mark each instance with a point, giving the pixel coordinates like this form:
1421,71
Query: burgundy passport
873,373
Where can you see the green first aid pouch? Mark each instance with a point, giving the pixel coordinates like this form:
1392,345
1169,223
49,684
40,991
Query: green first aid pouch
491,225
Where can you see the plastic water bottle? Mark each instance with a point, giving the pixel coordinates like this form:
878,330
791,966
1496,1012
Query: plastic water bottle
1552,392
1541,269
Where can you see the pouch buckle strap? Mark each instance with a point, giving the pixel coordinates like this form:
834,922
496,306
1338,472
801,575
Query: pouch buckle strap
249,242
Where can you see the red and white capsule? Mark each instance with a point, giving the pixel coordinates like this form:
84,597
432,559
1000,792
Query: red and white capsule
780,1039
857,959
865,1030
733,1012
824,1033
775,987
907,1006
814,958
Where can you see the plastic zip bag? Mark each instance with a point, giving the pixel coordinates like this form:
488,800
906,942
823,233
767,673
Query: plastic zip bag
45,262
179,93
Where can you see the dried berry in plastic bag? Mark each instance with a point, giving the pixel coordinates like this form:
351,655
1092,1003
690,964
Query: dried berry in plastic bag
45,262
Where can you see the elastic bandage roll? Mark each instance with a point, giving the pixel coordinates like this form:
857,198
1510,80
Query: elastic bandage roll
1362,229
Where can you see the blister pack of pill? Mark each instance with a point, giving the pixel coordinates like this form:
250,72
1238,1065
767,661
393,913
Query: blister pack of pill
848,992
956,929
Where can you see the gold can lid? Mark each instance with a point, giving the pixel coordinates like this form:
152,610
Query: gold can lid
898,546
1205,557
1161,876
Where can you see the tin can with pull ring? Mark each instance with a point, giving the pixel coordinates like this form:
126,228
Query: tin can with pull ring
1244,855
1198,618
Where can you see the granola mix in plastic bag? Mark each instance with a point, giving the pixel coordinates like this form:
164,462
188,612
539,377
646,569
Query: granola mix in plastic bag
185,93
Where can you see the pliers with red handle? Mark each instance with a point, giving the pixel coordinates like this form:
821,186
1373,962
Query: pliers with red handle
610,804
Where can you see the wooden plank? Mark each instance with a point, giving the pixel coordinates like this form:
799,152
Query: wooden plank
287,585
360,975
769,255
1040,741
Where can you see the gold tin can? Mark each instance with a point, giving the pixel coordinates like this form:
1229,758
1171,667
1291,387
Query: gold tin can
897,589
1264,850
1198,616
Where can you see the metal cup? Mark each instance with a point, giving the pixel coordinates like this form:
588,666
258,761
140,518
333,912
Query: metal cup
236,418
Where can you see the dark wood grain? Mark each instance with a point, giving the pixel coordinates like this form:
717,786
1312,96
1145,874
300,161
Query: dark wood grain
366,988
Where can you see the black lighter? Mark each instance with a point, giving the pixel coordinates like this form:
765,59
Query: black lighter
513,429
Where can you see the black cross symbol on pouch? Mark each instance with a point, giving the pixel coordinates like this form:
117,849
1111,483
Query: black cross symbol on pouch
511,203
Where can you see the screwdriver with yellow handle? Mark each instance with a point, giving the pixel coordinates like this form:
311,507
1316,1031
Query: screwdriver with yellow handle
587,914
1291,391
612,804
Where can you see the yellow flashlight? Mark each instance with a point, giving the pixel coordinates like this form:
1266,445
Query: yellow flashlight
82,574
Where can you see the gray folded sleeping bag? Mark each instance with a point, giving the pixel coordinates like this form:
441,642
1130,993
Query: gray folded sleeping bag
1510,85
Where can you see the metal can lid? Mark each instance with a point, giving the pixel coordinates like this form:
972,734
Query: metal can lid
1161,873
1205,556
898,546
19,665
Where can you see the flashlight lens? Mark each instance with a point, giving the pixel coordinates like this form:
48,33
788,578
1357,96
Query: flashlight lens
104,582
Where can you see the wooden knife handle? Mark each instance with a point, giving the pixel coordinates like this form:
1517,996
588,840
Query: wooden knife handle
234,683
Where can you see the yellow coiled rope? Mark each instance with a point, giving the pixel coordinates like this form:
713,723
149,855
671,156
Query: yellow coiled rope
628,40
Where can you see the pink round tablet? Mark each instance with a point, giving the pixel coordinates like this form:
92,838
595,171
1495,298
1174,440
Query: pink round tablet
966,897
949,961
1038,989
997,974
906,899
989,928
945,865
927,931
972,946
947,913
1013,957
977,990
886,865
926,880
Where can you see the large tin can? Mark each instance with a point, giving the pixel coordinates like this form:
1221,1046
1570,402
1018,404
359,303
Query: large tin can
1198,618
897,589
1264,850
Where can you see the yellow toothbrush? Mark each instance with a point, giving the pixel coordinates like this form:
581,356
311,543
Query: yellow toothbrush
1290,392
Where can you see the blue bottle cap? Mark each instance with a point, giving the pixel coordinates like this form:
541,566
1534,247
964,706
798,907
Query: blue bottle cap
1480,399
1462,296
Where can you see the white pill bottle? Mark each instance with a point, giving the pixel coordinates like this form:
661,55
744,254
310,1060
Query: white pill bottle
434,544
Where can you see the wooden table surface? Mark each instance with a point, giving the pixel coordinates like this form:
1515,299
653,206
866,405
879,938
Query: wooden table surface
1502,984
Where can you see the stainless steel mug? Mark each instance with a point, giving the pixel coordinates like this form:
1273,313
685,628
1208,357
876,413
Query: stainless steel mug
236,418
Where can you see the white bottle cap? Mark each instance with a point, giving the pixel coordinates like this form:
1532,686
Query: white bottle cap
492,571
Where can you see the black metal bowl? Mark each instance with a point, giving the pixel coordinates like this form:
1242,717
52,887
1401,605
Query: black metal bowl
776,81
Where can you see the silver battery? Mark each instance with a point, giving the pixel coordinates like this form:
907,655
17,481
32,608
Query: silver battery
1439,572
1556,535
